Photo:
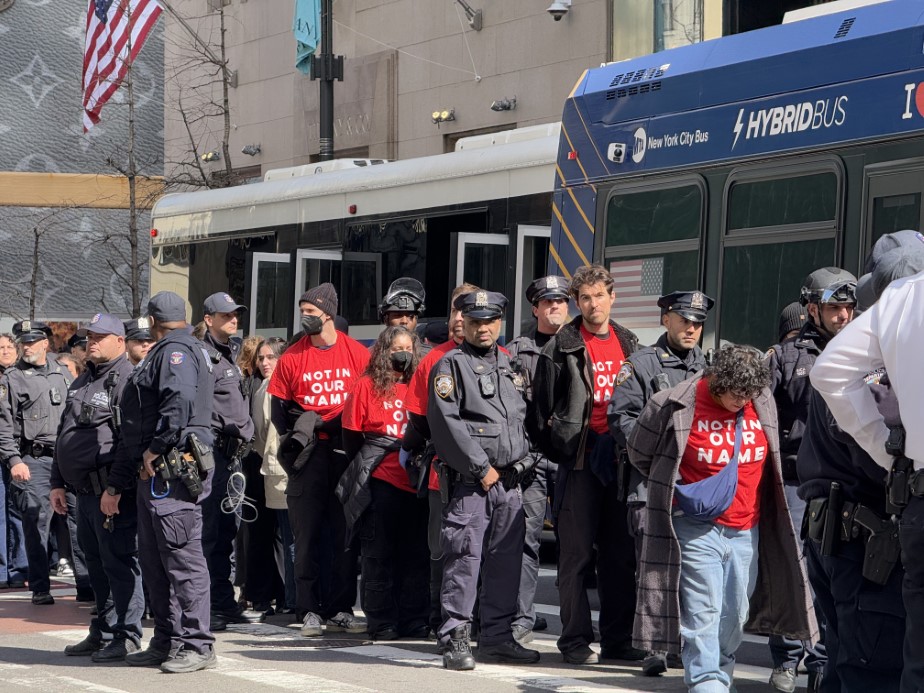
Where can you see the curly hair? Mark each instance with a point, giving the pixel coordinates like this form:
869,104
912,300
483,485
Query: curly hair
589,275
379,369
737,368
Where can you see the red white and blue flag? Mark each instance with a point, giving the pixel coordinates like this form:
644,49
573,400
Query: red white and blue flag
116,31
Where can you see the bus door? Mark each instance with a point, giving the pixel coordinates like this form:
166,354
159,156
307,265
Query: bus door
894,200
268,302
532,261
481,259
357,278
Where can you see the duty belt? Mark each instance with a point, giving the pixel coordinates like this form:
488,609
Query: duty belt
37,449
228,445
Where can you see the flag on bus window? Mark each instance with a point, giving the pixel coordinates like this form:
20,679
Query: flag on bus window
638,285
116,31
307,29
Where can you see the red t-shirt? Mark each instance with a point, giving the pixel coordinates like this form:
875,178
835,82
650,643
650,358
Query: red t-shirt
417,391
710,447
319,379
606,356
367,412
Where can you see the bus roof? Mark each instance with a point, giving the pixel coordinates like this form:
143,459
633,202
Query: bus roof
814,81
481,173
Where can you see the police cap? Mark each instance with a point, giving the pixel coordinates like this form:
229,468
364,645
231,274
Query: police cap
138,329
166,306
895,264
77,340
31,331
829,285
481,305
221,303
103,323
549,287
405,295
693,305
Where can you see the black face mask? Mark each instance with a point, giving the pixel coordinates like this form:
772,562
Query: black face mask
312,324
401,360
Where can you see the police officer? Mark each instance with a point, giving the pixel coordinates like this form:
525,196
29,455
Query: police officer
829,297
675,357
232,429
138,340
403,305
477,413
167,411
78,346
13,565
32,395
83,456
549,299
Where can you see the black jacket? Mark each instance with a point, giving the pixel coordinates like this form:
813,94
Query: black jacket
563,393
353,488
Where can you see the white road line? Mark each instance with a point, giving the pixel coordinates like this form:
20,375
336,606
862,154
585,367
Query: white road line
291,681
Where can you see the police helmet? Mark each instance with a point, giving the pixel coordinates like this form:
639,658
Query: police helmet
405,295
829,285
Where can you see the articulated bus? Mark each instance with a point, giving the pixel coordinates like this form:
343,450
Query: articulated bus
481,214
739,165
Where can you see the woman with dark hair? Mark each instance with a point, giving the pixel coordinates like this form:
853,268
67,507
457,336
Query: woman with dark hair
378,499
719,552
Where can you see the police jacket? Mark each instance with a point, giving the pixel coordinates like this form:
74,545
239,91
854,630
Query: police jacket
353,489
476,411
86,438
31,402
636,382
829,454
790,364
231,411
168,396
563,393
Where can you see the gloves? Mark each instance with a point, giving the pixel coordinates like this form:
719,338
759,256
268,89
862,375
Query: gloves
403,457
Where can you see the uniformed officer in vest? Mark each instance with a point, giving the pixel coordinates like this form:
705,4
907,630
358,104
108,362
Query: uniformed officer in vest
549,299
232,428
166,432
32,395
83,457
476,413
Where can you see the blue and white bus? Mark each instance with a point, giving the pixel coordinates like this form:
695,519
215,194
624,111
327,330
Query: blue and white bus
739,165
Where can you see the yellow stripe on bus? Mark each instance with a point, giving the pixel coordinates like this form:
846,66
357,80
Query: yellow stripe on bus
577,156
561,265
564,227
583,216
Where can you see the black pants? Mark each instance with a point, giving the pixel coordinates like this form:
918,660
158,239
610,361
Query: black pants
31,498
591,515
864,622
314,509
395,559
218,531
535,501
912,540
262,583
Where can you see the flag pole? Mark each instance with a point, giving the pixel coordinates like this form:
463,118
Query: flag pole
326,67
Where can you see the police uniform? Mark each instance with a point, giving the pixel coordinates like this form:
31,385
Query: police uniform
232,429
476,414
31,402
167,399
540,485
83,456
405,295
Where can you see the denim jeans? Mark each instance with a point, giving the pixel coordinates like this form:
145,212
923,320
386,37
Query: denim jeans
718,572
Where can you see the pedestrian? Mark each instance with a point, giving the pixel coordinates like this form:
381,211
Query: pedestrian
138,340
232,431
719,553
828,296
73,364
83,456
792,318
675,357
380,504
167,426
548,297
32,396
572,388
477,416
13,564
313,377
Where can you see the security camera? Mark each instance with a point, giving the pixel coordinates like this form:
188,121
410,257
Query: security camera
559,9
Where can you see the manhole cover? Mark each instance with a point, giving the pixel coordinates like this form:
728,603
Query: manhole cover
309,644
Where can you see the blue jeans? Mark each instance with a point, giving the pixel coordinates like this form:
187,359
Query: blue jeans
717,576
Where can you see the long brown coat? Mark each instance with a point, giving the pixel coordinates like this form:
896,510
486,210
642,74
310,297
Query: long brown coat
781,603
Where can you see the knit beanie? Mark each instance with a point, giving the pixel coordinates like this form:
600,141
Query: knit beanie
323,296
792,318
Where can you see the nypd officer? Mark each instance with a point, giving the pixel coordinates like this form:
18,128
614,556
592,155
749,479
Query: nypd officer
138,340
476,413
83,456
167,411
675,357
549,299
232,429
32,395
403,306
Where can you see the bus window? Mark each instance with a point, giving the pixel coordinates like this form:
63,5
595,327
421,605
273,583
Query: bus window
758,280
808,199
652,216
894,213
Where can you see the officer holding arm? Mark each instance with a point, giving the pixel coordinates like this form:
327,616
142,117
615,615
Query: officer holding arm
477,414
83,457
166,432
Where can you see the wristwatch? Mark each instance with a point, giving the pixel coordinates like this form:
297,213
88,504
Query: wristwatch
113,491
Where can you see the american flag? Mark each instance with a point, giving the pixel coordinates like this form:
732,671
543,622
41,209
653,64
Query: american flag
638,285
116,30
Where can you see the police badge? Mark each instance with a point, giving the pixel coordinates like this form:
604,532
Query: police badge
698,301
443,385
625,372
481,299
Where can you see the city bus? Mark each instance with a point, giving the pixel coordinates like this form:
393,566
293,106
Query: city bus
736,166
481,214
